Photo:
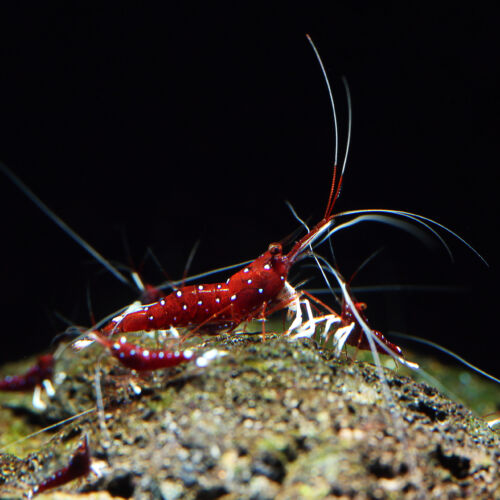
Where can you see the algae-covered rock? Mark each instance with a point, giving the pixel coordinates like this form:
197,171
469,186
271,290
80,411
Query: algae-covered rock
271,419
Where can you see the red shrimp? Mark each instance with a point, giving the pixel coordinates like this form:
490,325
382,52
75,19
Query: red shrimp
35,376
357,337
79,466
38,376
355,330
247,294
140,359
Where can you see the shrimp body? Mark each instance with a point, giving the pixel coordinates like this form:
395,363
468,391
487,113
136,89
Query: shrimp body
215,306
357,336
79,466
35,376
140,359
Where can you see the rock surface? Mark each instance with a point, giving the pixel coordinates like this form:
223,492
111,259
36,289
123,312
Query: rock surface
271,419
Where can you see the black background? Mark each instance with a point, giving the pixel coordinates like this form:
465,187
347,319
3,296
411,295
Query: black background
188,123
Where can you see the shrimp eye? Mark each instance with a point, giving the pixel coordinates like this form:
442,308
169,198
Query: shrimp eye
361,306
274,248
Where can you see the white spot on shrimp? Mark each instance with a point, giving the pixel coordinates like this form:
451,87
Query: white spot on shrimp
227,282
249,282
282,278
233,297
200,303
145,353
179,293
151,318
162,302
132,352
123,340
161,355
261,290
116,346
188,354
174,318
246,270
184,307
219,286
217,299
267,267
200,287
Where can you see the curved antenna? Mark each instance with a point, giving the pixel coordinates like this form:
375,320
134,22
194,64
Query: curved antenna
392,221
349,125
420,219
332,196
330,94
57,220
348,145
363,264
297,218
446,351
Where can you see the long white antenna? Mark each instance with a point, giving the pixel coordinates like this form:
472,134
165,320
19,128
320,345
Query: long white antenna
349,123
335,127
55,218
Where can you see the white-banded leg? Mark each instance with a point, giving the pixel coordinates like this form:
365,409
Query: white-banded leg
341,336
303,328
37,400
309,328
